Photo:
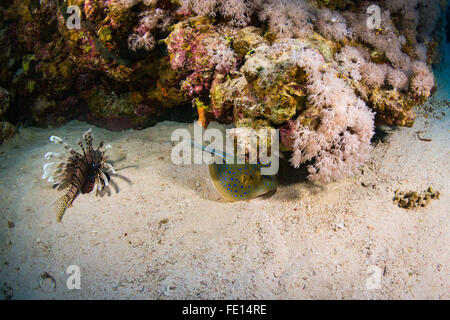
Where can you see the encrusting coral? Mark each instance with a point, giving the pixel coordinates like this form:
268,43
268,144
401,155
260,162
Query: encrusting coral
313,69
197,52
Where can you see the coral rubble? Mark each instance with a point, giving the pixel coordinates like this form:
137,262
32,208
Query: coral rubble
413,199
316,70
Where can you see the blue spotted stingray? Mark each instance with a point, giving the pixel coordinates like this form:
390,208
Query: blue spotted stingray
237,182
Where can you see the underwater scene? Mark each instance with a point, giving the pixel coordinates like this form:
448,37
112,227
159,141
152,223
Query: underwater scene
224,149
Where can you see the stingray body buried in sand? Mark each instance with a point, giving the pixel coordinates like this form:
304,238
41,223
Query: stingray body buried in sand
239,182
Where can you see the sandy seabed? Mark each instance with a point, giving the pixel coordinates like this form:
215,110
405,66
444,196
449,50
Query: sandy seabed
165,233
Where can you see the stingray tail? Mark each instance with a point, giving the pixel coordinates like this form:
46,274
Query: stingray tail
219,153
60,206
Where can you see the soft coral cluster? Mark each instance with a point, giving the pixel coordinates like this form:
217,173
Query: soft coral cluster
351,61
238,11
422,81
373,74
330,126
386,39
339,139
418,17
397,78
287,18
332,25
143,36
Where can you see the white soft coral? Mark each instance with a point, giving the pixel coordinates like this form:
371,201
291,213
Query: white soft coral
287,18
422,82
338,147
340,143
238,11
397,78
373,74
142,38
351,61
331,25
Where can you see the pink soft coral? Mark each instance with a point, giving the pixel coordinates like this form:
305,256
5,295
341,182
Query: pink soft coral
387,41
339,146
373,74
351,60
223,57
142,38
422,82
198,53
340,142
238,11
397,78
332,25
287,18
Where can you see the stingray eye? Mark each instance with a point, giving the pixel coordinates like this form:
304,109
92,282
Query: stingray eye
246,179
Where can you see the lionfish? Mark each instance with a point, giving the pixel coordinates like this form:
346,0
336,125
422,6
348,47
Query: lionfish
80,172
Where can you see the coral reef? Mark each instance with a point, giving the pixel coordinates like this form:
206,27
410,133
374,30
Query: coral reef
286,19
312,68
5,102
56,73
7,130
290,82
197,52
266,89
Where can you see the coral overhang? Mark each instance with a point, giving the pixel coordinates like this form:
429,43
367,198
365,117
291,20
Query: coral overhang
312,68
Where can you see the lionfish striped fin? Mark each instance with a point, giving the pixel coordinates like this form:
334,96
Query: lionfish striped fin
103,148
87,136
104,179
56,139
53,174
75,171
51,155
109,168
80,143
